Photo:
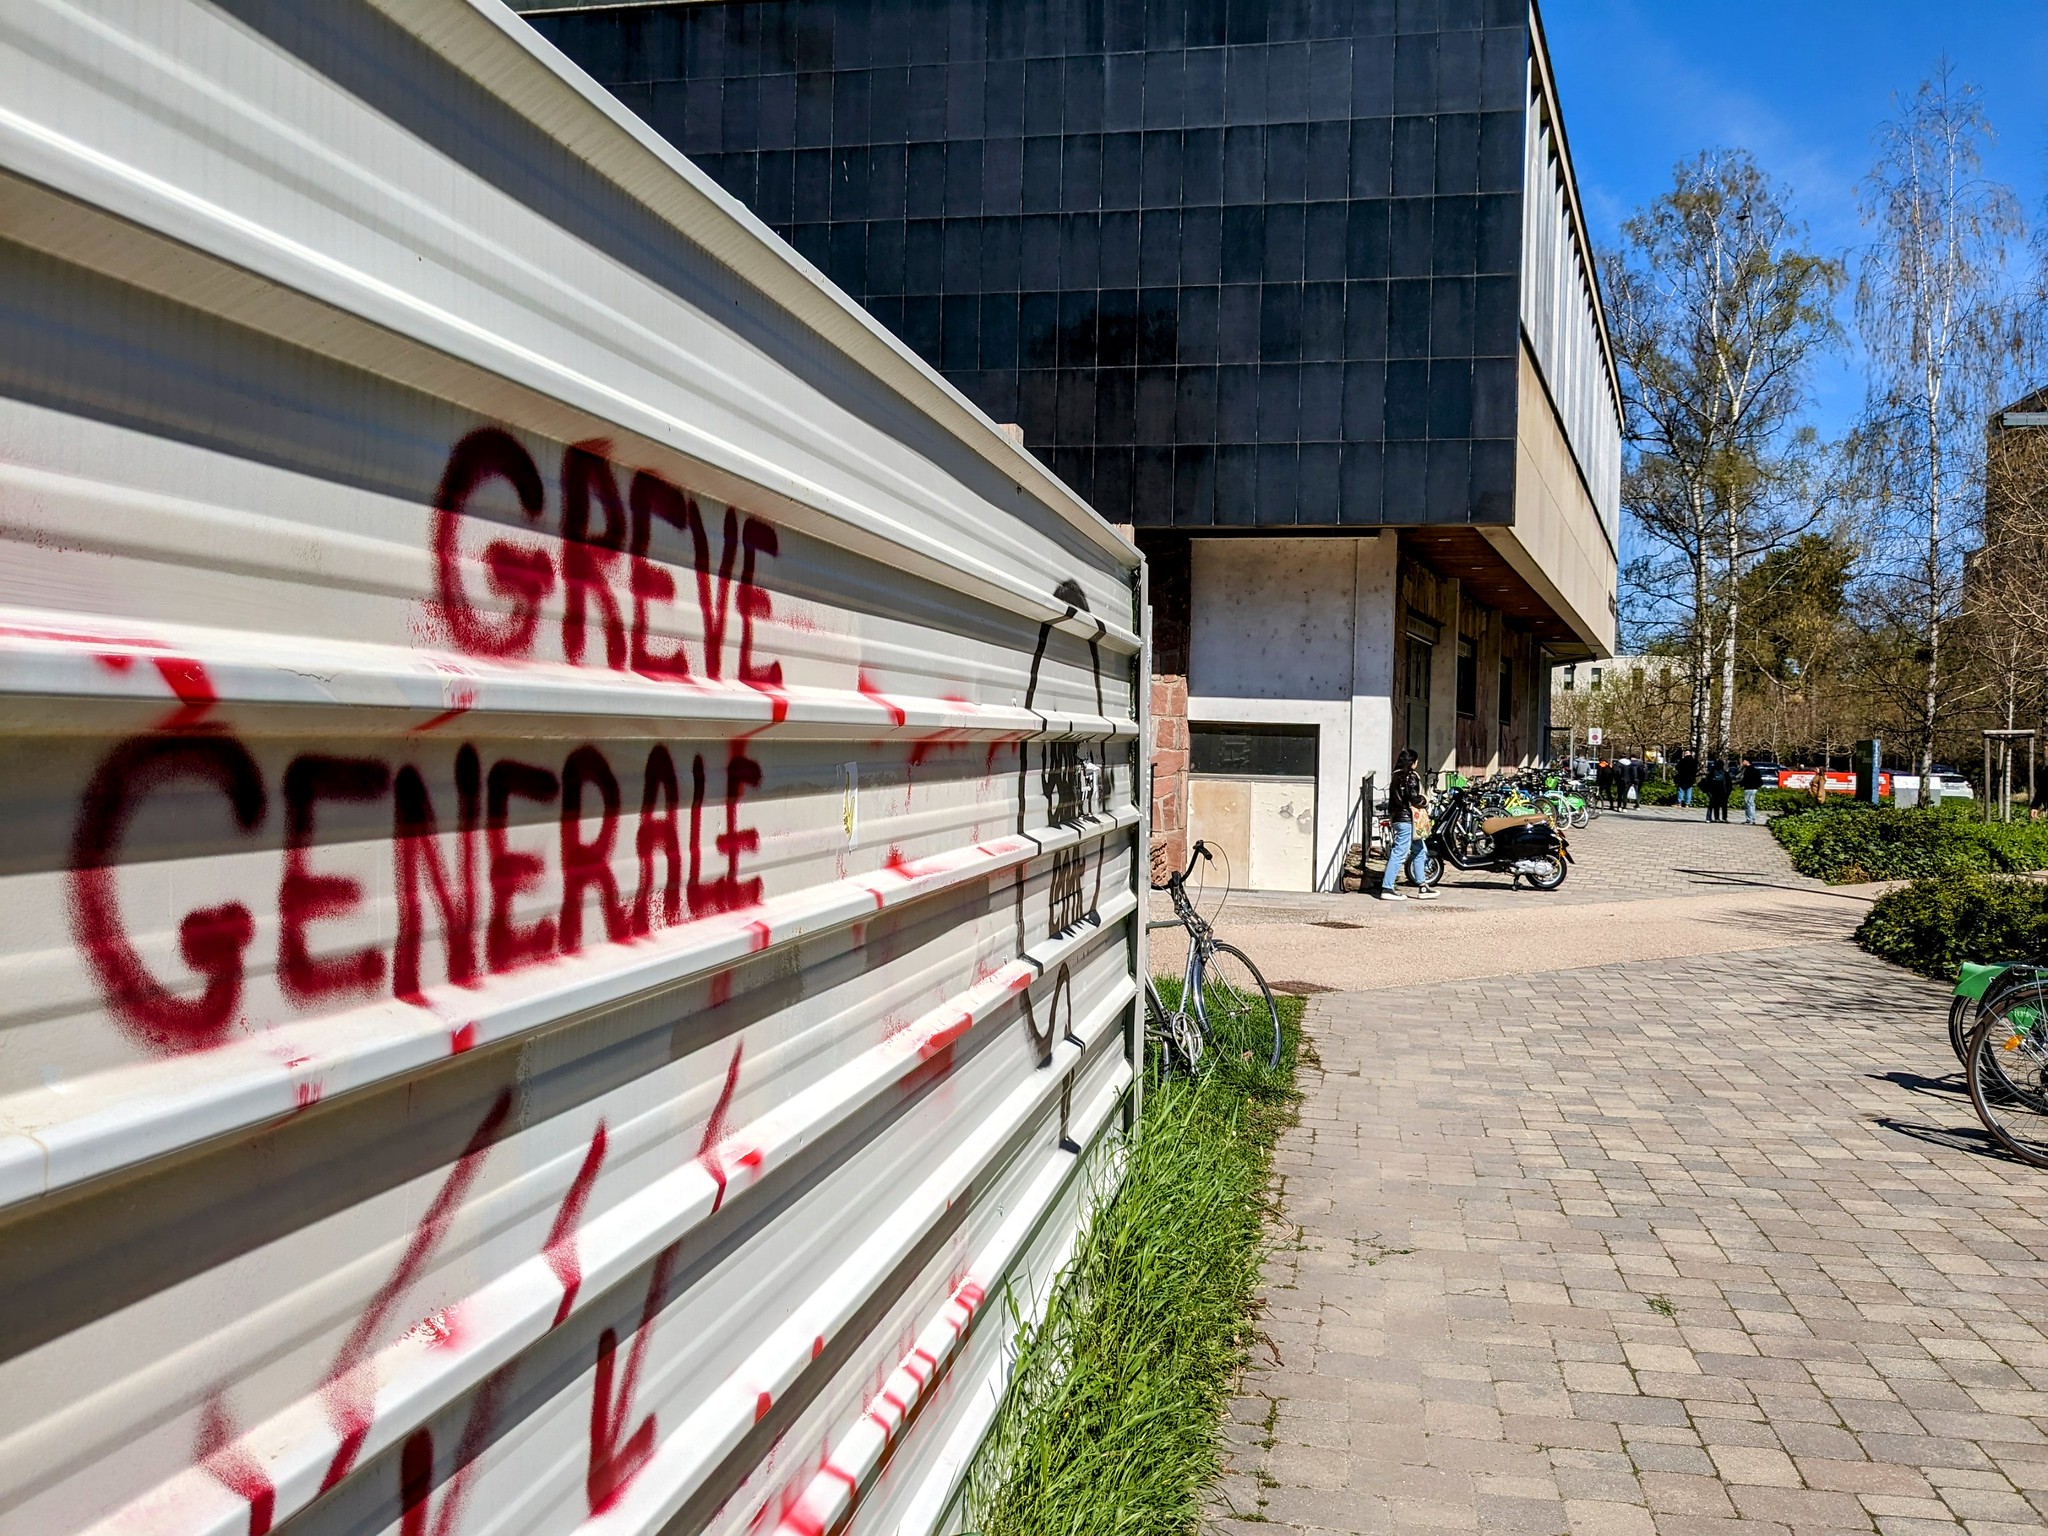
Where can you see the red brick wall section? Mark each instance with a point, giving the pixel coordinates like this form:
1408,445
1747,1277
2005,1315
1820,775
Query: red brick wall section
1168,556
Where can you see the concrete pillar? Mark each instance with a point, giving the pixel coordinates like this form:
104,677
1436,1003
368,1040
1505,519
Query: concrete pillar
1375,621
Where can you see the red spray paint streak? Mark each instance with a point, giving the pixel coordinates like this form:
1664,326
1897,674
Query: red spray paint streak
416,1462
348,1394
615,1457
896,712
708,1155
233,1466
560,1248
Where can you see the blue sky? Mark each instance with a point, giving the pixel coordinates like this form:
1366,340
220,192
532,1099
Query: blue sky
1802,85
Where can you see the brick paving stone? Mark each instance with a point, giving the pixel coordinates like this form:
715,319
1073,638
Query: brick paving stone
1697,1247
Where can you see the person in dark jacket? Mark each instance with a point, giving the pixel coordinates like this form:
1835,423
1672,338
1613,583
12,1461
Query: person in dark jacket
1405,797
1752,780
1717,785
1603,781
1687,775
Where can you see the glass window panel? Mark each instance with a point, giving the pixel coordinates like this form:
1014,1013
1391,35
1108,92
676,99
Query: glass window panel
1329,161
1325,226
1415,72
813,185
1044,81
888,107
1194,486
1237,484
1279,490
1152,485
1322,402
963,178
1317,499
1244,85
1496,316
1083,88
1002,175
1500,151
1365,402
885,257
1003,98
1080,250
1493,481
1504,64
1448,494
1038,405
924,181
813,109
1497,241
965,98
1196,335
1123,90
1450,317
1450,398
1041,175
1454,239
1077,406
1244,243
1201,167
963,255
887,170
1402,498
960,343
1081,172
1001,269
1154,407
1493,397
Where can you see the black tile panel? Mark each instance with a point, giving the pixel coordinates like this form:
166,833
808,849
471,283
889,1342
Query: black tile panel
1227,262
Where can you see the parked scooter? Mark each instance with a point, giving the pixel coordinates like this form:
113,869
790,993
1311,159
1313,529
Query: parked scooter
1464,837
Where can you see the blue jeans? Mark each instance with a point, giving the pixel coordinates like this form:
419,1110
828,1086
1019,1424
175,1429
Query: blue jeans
1418,859
1749,806
1685,797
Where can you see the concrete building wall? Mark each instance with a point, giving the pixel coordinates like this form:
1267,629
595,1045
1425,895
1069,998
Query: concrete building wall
1293,631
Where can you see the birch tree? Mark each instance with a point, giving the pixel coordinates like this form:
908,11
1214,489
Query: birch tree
1940,325
1718,309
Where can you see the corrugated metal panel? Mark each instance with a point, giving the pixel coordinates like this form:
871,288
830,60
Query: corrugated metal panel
570,815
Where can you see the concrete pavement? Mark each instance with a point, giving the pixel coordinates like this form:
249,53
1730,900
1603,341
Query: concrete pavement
1683,1245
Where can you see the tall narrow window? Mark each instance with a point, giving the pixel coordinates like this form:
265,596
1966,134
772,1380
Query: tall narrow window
1468,679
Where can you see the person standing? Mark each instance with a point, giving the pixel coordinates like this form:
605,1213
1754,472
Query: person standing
1717,785
1687,775
1405,799
1752,781
1603,782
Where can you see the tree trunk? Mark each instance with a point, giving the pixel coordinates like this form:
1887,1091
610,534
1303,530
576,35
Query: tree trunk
1725,735
1928,700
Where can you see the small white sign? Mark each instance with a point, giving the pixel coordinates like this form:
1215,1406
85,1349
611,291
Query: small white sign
1594,735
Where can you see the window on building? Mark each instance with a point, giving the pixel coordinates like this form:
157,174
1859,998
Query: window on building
1468,679
1596,679
1252,751
1507,692
1571,677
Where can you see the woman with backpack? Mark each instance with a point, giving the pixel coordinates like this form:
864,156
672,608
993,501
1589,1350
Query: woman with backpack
1406,800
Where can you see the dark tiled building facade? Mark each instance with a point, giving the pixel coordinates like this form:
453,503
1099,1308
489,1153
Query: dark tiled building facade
1251,264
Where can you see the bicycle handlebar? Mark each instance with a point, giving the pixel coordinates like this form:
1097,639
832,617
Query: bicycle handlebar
1201,851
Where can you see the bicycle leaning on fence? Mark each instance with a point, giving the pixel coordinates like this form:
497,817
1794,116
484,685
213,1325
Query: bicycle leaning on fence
1223,1005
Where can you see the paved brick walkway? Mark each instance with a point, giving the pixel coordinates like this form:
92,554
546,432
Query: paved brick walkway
1682,1247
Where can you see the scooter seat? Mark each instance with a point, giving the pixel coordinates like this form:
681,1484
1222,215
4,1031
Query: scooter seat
1493,826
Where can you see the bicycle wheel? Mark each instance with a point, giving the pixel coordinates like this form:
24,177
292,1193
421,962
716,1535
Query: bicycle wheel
1237,1010
1959,1030
2008,1076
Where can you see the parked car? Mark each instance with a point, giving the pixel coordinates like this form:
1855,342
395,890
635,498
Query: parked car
1768,769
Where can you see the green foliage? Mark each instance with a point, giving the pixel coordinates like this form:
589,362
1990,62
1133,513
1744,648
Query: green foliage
1658,792
1932,926
1845,842
1113,1417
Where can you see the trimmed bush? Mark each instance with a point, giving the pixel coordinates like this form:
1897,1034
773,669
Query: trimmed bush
1933,925
1848,842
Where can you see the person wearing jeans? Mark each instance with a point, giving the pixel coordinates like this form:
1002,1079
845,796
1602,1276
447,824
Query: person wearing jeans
1404,799
1752,781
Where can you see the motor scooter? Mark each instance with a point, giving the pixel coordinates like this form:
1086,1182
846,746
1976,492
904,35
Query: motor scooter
1527,847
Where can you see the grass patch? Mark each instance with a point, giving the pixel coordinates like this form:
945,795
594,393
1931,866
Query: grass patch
1113,1419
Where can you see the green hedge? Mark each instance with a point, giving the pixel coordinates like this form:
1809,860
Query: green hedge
1844,843
1933,925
